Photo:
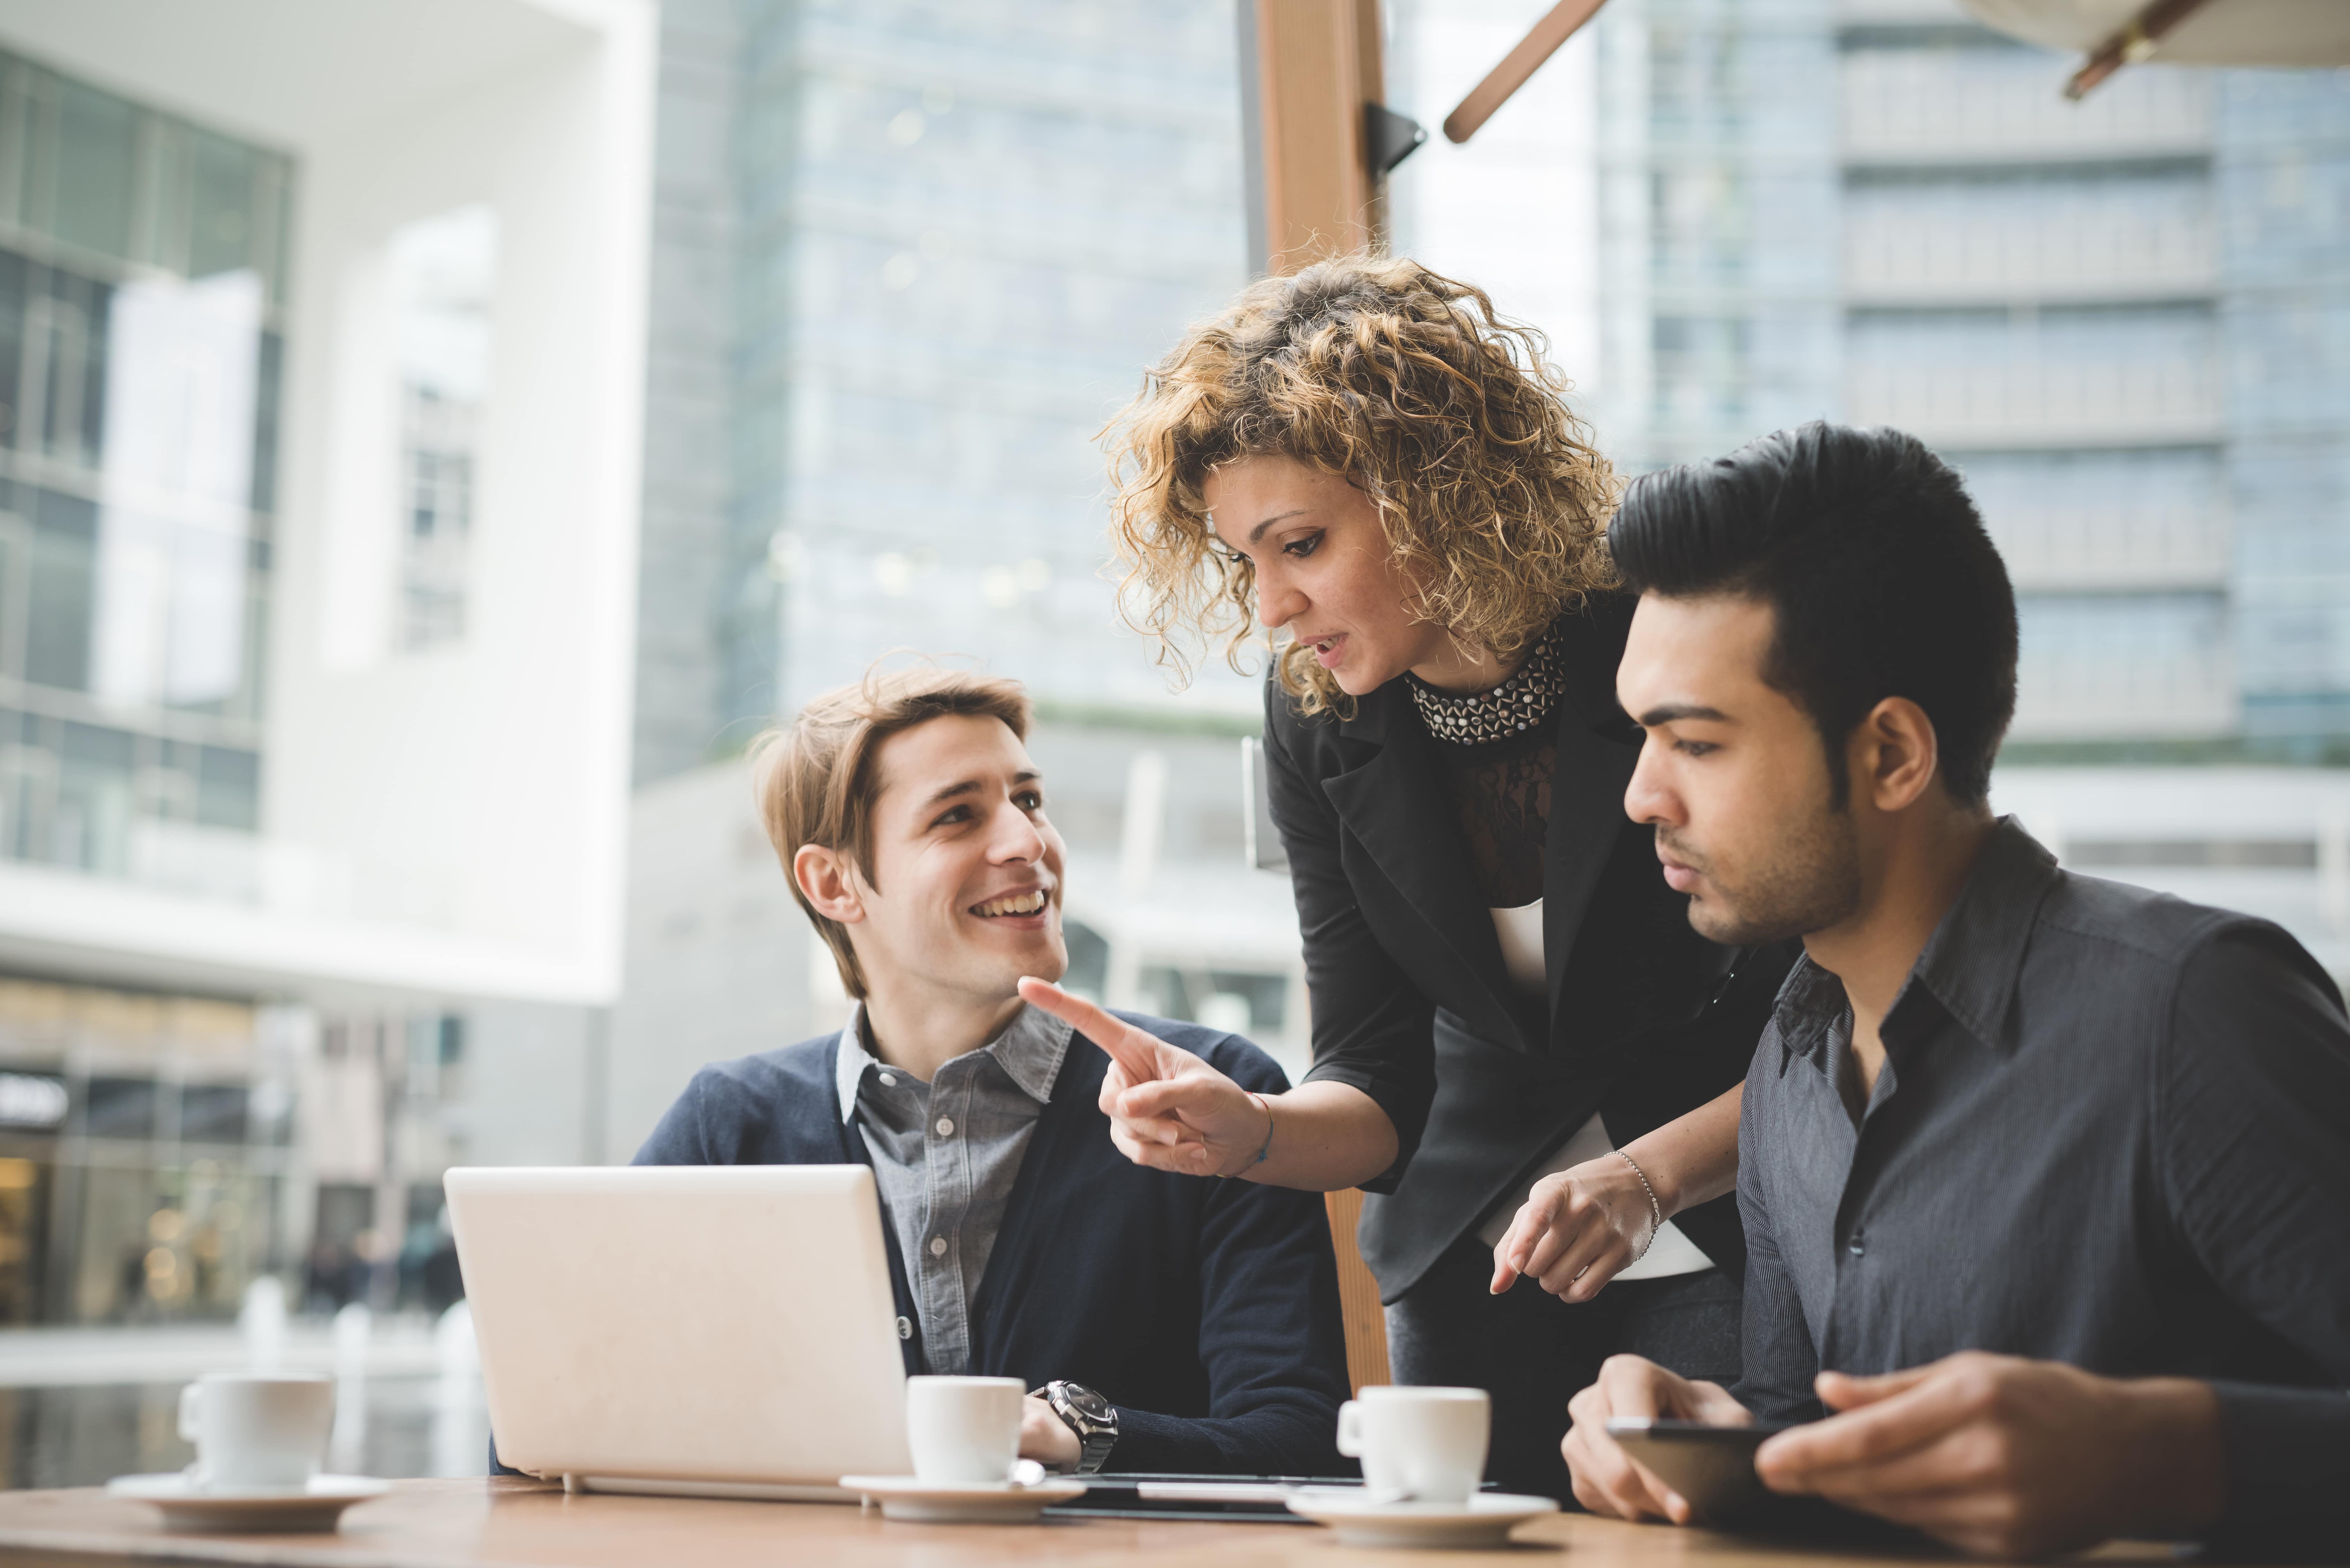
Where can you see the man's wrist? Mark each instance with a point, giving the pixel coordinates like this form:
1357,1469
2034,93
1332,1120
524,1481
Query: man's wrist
2173,1468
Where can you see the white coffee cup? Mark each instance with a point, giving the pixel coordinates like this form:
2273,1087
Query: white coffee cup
963,1429
256,1430
1418,1445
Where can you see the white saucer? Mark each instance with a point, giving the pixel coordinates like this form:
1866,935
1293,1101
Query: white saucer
187,1505
965,1503
1485,1519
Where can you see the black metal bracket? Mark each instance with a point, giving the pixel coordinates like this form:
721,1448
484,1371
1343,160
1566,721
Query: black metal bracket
1388,138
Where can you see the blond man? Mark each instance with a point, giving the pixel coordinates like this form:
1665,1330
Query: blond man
1165,1322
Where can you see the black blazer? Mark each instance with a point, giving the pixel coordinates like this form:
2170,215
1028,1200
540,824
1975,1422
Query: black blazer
1644,1019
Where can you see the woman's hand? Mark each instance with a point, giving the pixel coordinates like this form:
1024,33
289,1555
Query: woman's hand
1578,1230
1168,1109
1583,1226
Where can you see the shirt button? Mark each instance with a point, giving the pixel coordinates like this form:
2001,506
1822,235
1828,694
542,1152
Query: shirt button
905,1329
938,1246
944,1126
889,1080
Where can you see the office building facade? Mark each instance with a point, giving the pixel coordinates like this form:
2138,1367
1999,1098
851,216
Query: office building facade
2123,319
320,394
961,234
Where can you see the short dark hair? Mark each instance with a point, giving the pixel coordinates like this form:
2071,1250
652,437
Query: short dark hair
1875,565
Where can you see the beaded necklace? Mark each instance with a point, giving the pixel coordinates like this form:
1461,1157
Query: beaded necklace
1519,704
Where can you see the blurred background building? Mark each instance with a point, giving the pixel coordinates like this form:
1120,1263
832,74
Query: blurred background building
2121,317
433,443
321,372
908,261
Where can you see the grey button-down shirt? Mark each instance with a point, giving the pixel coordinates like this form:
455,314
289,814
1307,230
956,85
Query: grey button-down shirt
945,1156
2112,1128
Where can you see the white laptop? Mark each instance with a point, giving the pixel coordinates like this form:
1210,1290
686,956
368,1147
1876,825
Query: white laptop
719,1331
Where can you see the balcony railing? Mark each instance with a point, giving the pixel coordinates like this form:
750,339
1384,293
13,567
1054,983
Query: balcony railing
2112,547
1893,256
2070,699
1905,106
2042,403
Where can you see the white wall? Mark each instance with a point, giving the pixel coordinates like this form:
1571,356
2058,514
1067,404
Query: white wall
719,954
481,787
467,805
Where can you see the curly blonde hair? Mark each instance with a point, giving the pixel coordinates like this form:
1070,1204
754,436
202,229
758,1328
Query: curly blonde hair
1409,385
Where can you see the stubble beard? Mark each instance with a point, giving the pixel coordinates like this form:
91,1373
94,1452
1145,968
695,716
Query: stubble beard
1810,881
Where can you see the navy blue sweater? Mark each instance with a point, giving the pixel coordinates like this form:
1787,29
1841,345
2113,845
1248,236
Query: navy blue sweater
1206,1310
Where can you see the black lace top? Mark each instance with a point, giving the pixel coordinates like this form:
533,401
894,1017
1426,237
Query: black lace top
1495,753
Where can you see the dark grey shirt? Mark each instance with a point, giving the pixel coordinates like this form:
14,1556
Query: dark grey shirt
946,1155
2112,1128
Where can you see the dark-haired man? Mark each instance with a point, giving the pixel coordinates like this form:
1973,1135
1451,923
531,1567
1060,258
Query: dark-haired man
2047,1180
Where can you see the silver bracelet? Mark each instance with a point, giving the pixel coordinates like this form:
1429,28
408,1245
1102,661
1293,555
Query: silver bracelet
1268,1109
1655,1209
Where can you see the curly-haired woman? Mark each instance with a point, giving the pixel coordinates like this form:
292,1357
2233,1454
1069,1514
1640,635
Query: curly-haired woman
1519,1044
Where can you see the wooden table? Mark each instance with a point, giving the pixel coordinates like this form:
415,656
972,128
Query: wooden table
440,1523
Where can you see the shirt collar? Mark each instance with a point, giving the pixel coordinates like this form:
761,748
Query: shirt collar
1969,964
850,1061
1030,1050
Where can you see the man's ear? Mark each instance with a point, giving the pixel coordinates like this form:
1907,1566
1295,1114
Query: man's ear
1895,754
826,880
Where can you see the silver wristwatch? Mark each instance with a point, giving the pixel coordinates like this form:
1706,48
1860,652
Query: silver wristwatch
1092,1417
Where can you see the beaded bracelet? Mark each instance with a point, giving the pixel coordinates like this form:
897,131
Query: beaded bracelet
1655,1209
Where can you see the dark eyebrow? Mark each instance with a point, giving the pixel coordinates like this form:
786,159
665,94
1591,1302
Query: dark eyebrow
967,786
971,786
1258,531
1671,711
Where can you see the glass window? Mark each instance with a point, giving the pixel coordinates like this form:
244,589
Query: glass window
228,788
98,157
444,271
64,579
270,369
120,1107
13,281
212,1113
96,780
66,360
220,236
149,392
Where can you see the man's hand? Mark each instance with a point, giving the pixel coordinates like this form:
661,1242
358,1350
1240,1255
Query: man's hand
1607,1480
1579,1228
1045,1437
2010,1458
1168,1109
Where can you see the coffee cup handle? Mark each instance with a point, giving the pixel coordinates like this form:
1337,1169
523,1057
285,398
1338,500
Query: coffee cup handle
188,1411
1350,1428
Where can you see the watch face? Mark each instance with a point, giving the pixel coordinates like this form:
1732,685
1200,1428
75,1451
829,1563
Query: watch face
1087,1403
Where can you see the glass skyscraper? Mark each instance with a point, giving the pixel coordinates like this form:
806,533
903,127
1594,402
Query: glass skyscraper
2127,320
956,234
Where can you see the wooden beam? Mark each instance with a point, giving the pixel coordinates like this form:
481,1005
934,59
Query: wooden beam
1317,64
2131,45
1359,1312
1519,63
